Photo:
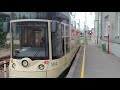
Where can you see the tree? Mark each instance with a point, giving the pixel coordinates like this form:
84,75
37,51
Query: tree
2,34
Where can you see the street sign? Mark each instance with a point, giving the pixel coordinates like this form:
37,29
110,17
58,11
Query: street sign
108,23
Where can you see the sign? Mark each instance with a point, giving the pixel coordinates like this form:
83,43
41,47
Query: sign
54,64
73,33
108,23
46,62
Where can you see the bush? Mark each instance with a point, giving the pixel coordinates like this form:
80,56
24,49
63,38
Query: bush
2,34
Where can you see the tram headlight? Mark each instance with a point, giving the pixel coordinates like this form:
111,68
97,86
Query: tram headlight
25,63
41,66
13,65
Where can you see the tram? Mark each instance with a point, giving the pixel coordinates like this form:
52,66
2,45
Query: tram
43,44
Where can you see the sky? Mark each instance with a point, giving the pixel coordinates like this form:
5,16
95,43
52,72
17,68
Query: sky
81,16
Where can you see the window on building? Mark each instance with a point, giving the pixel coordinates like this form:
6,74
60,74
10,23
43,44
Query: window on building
96,28
106,26
118,24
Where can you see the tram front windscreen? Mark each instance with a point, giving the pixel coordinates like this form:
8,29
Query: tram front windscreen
30,39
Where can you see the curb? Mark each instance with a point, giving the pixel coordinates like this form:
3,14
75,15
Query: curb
72,69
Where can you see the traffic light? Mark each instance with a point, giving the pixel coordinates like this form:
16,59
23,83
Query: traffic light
90,32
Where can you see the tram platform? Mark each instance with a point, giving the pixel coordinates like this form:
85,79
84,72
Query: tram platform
97,64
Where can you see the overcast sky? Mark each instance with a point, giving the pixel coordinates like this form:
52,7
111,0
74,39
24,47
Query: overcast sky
81,16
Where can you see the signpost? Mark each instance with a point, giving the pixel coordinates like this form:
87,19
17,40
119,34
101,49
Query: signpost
108,51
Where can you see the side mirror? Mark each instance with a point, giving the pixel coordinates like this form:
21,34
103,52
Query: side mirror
6,27
54,26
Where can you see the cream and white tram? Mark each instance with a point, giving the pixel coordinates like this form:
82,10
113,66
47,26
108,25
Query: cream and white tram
41,48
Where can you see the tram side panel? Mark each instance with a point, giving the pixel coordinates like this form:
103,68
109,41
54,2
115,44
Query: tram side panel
57,66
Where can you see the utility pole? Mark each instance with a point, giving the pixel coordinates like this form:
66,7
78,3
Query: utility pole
79,23
85,29
98,28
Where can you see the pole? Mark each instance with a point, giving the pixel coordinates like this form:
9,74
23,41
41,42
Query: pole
85,29
98,28
108,51
79,23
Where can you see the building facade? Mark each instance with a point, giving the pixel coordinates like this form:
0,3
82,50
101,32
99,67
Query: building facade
101,30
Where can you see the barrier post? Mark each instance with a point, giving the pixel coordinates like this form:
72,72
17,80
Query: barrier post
5,74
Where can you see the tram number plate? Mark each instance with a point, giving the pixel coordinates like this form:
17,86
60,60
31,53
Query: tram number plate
54,63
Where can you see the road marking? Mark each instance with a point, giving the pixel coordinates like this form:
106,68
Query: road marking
83,63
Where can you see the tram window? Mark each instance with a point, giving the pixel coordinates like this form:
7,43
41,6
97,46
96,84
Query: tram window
73,39
57,43
53,26
33,40
62,27
30,15
63,47
67,39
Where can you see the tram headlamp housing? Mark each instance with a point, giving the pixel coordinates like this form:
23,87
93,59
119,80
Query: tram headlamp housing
41,66
25,63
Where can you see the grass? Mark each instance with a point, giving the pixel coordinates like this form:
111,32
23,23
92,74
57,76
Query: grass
7,46
82,38
1,48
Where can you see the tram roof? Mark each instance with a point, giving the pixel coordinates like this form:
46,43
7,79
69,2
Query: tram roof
2,14
48,15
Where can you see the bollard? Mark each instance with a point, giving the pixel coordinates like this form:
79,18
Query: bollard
104,47
5,74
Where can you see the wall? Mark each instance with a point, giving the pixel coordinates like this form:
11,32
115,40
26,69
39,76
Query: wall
114,48
113,27
114,42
